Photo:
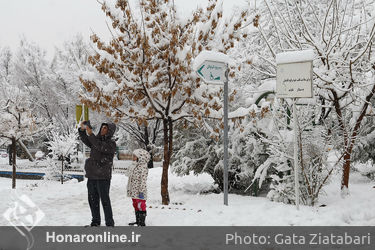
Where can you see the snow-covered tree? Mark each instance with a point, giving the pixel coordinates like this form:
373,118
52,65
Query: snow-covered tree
32,76
314,144
6,67
342,34
17,120
66,66
149,65
52,85
62,146
146,135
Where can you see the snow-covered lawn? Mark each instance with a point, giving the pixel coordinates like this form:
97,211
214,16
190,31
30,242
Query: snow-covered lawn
67,204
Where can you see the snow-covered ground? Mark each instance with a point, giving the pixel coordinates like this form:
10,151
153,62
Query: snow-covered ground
67,204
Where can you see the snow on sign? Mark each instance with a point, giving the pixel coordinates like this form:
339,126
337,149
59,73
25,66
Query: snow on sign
294,74
212,72
211,67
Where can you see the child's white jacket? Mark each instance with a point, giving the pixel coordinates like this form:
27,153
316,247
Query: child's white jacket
137,173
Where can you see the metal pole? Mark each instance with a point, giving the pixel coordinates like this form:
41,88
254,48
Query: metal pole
296,146
226,137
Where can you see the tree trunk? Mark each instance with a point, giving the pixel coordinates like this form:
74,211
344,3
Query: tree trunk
350,142
150,163
62,170
14,162
170,146
345,174
164,177
346,164
347,161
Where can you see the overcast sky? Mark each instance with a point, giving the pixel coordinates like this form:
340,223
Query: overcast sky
51,22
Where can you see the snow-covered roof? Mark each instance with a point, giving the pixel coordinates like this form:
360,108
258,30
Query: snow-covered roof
295,56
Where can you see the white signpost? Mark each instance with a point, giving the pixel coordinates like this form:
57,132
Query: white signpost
294,80
212,68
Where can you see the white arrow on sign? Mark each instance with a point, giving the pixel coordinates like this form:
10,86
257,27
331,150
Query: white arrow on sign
212,72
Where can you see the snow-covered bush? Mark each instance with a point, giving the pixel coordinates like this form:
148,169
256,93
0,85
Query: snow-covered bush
314,146
61,147
313,173
198,153
364,150
366,169
39,155
363,156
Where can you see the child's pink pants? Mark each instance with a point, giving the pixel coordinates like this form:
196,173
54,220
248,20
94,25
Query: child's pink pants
139,205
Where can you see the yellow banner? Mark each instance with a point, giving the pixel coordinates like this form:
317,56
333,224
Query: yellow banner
79,113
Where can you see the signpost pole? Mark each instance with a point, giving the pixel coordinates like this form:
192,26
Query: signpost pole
212,68
296,147
226,137
294,80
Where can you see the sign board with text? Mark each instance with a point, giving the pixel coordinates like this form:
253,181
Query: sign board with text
212,72
294,80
